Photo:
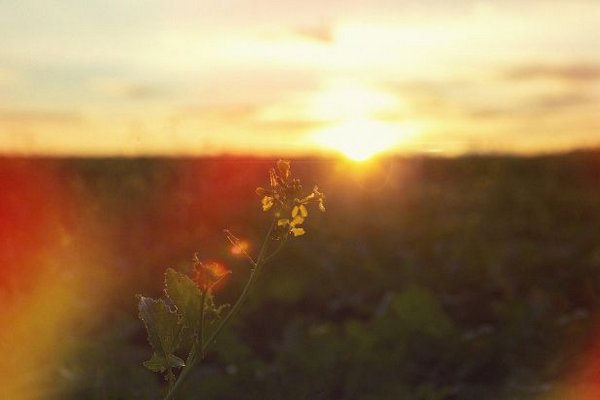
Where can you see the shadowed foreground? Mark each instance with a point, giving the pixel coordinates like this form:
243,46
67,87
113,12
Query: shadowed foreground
471,278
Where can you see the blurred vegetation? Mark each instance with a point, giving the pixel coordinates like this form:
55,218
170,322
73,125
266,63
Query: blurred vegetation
467,278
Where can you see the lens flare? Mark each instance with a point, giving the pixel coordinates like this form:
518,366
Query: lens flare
211,275
240,248
53,283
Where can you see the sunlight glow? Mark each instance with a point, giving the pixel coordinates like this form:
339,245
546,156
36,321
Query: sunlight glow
240,248
349,100
361,139
352,111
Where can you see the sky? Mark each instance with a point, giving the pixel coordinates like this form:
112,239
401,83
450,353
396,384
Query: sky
125,77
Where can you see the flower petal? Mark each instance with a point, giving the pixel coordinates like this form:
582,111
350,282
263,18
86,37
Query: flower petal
267,203
303,210
298,220
283,222
306,199
321,205
284,168
298,231
263,192
272,178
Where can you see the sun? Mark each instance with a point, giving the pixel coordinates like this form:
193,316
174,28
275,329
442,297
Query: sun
360,140
349,112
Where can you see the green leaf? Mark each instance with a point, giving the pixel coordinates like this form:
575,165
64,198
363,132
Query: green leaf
175,361
212,311
158,363
186,297
162,325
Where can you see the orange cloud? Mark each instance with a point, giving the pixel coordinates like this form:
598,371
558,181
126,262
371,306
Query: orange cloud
322,32
39,116
236,112
124,89
577,72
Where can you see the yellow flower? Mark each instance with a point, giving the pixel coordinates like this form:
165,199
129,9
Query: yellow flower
301,209
284,169
285,197
292,225
283,222
315,196
297,220
297,231
267,203
321,205
320,197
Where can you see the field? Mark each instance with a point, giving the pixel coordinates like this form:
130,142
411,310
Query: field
426,278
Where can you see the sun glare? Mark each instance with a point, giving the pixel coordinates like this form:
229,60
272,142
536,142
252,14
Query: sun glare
350,111
359,140
343,101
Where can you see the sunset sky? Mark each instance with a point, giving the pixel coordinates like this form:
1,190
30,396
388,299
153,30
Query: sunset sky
122,77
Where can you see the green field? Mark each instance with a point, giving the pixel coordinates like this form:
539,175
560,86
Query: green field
468,278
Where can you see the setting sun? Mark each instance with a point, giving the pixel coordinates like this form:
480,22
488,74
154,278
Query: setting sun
360,140
349,111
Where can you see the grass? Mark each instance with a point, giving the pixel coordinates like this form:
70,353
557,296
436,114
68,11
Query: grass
466,278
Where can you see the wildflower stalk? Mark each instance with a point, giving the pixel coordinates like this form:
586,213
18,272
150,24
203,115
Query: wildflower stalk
201,346
189,308
276,251
254,273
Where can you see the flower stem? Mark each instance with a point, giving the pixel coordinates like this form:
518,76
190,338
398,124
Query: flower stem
240,300
276,251
200,347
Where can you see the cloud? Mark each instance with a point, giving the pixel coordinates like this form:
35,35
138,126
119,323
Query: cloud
322,32
247,115
488,100
551,102
39,116
225,112
289,126
114,87
429,99
488,113
578,72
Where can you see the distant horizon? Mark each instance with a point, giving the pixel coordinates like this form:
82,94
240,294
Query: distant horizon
302,156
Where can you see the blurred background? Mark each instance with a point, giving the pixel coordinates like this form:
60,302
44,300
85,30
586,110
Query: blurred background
457,145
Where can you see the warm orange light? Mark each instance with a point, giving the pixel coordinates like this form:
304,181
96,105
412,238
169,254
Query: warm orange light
352,112
210,275
342,101
240,248
360,140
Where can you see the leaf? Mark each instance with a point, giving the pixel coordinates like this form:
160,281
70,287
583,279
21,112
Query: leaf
175,361
158,363
162,325
212,311
186,297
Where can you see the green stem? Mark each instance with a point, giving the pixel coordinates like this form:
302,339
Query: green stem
276,251
240,300
201,328
194,357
